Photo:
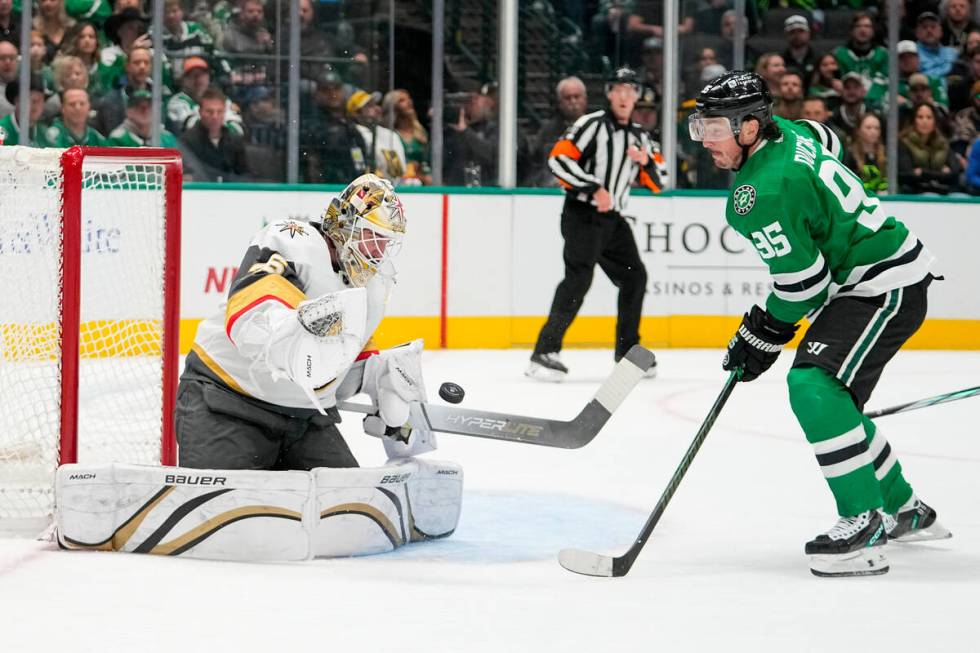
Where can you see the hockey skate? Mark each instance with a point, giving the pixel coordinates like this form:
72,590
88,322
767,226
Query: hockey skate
914,522
855,546
546,367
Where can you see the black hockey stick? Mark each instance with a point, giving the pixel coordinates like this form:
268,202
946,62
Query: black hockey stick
571,434
924,403
595,564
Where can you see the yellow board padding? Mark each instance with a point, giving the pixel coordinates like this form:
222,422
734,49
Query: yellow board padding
676,331
97,339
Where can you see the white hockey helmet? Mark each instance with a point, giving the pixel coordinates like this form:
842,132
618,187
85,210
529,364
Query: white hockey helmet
366,224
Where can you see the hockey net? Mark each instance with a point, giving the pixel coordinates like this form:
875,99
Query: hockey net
89,266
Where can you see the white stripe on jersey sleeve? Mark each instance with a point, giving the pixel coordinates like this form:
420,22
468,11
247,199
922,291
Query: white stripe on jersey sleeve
787,278
827,137
805,294
569,171
859,271
582,140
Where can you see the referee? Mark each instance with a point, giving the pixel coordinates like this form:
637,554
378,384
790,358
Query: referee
596,162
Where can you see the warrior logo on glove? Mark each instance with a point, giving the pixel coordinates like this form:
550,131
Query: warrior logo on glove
757,343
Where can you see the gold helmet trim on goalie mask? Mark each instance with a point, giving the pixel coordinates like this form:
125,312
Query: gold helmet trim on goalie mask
366,224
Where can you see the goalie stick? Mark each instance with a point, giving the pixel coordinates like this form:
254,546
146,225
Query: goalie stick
571,434
595,564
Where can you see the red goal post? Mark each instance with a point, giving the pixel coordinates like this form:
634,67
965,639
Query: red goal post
89,321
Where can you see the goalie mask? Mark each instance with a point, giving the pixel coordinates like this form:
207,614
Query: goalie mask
366,224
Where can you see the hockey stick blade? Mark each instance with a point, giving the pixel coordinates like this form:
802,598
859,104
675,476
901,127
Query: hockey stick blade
587,563
924,403
595,564
571,434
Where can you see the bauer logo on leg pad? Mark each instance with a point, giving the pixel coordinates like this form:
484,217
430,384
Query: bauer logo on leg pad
182,479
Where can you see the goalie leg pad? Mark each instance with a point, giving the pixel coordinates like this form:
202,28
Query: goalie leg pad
435,494
255,515
373,510
211,514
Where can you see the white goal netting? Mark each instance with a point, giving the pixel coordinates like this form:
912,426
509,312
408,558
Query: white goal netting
121,306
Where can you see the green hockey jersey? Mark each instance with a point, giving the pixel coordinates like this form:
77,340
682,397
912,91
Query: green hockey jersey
183,112
124,136
872,66
10,131
817,228
58,135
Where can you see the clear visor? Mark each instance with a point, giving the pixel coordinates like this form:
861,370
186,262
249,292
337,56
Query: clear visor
713,128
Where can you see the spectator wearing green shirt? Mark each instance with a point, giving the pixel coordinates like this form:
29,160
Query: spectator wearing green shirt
82,41
135,131
71,127
183,109
127,31
10,133
862,56
183,39
8,73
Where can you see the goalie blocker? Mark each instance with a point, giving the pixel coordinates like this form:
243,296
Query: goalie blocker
256,515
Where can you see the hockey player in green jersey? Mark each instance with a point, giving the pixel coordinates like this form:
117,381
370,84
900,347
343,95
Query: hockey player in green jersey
857,273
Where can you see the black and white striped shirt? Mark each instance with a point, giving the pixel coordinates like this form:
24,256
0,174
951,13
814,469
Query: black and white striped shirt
592,154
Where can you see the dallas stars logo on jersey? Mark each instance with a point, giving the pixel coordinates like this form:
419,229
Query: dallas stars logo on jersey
744,199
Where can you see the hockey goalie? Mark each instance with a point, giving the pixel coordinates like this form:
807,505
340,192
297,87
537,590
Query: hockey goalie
264,472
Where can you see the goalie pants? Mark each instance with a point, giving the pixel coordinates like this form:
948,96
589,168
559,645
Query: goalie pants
837,365
596,238
218,428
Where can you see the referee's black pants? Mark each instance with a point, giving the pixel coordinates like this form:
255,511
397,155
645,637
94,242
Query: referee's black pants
590,238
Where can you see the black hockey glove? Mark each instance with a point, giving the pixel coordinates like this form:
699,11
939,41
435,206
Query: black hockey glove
757,343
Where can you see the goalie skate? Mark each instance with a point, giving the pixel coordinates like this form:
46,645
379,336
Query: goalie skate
914,522
546,367
853,547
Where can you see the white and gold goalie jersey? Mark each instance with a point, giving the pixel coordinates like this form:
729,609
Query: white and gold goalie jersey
286,263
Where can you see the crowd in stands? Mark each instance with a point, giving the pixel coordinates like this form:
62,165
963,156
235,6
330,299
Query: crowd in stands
816,74
224,86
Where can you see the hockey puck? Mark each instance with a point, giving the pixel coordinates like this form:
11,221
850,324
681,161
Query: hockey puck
451,392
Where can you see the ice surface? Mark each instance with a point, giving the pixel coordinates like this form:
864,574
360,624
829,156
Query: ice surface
724,571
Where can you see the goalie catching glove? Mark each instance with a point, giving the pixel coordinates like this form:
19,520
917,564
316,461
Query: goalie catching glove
318,341
393,380
757,343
